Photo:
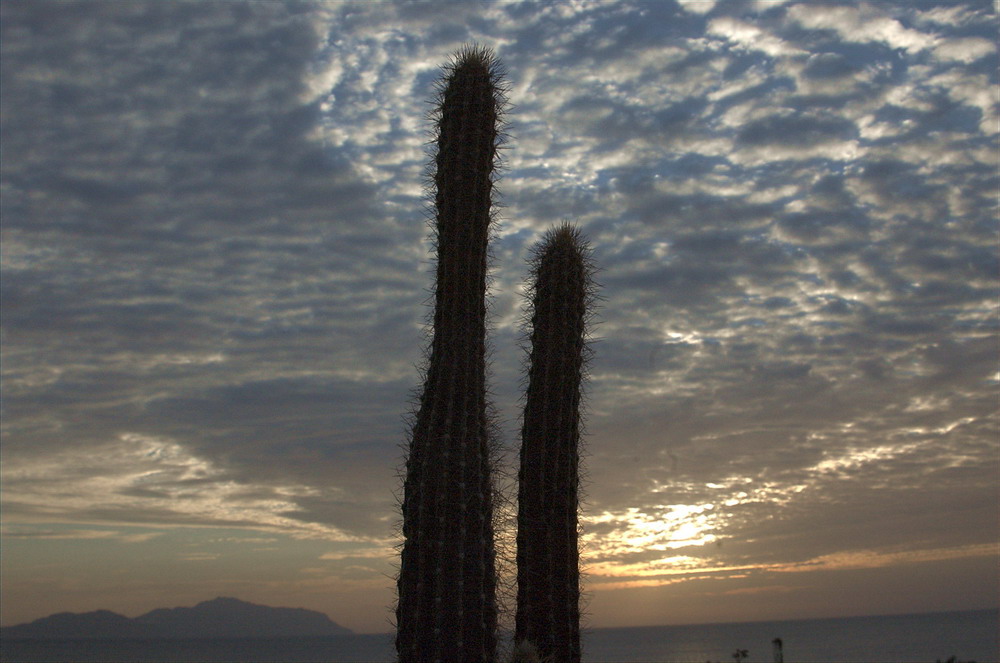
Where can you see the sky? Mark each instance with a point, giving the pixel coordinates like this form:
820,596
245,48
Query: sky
216,273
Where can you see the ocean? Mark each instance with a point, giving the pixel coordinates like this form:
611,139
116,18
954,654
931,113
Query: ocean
923,638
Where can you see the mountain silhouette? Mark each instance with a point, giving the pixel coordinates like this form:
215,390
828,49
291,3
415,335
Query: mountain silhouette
219,618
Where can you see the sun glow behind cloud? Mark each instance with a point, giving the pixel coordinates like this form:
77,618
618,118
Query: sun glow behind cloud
664,544
676,569
663,527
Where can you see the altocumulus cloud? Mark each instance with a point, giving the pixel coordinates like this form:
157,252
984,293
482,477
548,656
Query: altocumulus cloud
215,264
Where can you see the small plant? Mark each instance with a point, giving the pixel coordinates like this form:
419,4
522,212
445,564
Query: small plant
525,652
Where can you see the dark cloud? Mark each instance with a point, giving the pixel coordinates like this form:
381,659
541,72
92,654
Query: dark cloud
795,130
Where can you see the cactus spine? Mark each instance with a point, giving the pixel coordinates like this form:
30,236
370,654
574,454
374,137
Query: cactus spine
548,573
447,608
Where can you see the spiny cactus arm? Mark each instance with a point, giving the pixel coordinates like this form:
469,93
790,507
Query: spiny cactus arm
446,608
561,295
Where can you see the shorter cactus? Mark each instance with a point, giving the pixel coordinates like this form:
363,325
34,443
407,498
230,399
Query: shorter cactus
548,565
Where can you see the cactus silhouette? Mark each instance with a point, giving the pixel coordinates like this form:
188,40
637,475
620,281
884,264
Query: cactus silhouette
447,608
548,573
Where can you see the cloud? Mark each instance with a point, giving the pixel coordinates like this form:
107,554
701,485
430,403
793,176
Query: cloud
15,532
697,6
863,23
965,50
951,16
150,481
216,262
751,37
797,133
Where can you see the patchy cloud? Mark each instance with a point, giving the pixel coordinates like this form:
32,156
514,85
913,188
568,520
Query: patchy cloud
215,264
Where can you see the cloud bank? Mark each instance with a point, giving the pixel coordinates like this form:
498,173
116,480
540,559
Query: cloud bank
215,269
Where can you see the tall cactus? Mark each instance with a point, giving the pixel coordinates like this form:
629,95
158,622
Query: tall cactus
447,609
548,572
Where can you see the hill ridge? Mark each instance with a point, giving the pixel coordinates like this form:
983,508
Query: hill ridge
221,617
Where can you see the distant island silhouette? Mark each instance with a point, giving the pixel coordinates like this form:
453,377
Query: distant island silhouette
219,618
